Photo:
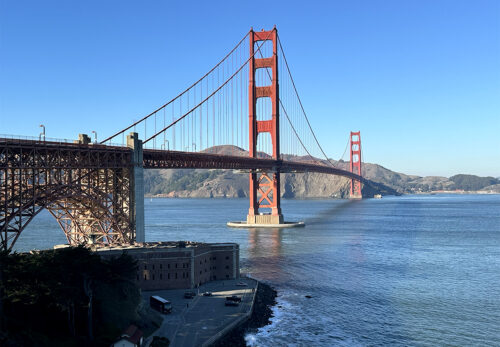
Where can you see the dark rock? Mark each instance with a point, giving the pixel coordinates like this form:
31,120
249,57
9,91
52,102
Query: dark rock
264,300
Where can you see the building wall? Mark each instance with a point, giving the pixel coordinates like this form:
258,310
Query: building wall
186,267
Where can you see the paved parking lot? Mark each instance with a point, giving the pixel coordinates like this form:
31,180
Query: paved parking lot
194,321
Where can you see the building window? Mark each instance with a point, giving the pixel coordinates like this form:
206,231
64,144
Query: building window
168,266
215,258
138,277
160,266
205,260
227,267
176,275
176,265
153,266
168,276
161,277
145,267
227,276
200,272
153,277
145,277
227,258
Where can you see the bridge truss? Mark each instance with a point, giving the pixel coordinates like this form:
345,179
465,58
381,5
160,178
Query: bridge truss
86,188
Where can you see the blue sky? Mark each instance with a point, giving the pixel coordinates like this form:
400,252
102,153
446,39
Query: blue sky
419,79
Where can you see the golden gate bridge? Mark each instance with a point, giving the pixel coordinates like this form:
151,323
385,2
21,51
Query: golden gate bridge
244,114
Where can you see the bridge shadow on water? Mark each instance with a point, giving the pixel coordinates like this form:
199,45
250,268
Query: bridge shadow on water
329,213
268,242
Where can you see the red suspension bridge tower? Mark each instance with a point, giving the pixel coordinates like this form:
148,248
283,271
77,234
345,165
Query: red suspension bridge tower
355,167
264,187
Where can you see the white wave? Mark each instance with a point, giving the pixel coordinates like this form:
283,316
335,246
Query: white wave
291,326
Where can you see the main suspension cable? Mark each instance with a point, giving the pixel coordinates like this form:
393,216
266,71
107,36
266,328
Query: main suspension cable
289,120
208,97
181,94
300,103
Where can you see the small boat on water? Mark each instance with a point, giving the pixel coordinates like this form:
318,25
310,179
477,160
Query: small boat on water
378,196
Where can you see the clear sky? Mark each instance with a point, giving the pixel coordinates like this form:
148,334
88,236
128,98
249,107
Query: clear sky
420,79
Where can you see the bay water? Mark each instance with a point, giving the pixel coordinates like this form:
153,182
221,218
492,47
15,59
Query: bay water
416,270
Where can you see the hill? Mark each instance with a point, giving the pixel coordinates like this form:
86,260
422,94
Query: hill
201,183
471,182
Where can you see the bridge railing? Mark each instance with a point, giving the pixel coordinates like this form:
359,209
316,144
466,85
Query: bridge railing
42,139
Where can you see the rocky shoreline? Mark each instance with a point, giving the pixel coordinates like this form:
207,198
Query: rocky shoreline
262,312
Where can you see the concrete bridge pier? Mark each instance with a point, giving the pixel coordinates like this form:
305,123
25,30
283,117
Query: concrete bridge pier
137,187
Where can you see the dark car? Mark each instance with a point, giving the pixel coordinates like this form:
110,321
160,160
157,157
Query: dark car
231,303
233,298
189,295
207,294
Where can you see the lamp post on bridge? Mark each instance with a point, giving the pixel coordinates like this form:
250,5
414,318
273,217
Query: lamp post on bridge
163,145
42,133
95,135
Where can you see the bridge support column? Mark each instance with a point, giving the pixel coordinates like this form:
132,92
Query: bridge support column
355,165
137,187
264,187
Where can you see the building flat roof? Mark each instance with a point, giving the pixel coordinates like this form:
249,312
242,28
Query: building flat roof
153,245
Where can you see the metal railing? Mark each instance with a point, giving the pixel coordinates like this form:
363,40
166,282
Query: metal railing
42,139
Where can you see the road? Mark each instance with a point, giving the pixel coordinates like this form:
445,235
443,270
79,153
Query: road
194,321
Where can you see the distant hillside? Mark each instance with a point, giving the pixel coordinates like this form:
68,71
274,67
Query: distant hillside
227,183
471,182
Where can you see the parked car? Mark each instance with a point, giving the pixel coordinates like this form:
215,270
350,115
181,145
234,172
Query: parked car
189,295
233,298
231,303
241,284
207,294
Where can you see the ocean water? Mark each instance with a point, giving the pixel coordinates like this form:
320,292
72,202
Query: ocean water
411,271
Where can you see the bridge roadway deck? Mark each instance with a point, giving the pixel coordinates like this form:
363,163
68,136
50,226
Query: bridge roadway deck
207,318
161,159
20,153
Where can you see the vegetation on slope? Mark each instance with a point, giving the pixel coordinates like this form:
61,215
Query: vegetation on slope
472,182
180,180
66,297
